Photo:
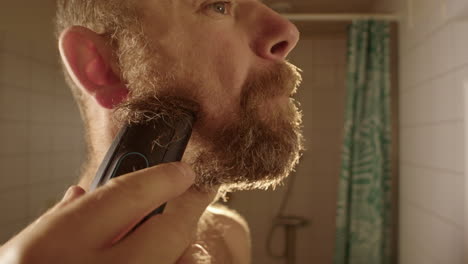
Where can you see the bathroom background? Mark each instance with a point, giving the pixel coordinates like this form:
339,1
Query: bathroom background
42,148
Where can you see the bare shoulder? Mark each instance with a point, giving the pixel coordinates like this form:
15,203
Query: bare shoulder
234,231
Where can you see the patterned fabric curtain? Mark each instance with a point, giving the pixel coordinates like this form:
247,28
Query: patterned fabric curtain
364,201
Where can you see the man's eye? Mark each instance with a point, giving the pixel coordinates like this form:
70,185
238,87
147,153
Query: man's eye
221,7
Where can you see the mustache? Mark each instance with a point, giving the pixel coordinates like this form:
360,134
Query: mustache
281,79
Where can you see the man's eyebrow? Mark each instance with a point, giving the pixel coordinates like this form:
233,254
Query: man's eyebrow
195,2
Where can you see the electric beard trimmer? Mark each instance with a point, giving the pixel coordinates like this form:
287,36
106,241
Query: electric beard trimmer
140,146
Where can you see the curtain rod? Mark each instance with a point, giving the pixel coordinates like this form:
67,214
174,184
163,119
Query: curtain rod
339,17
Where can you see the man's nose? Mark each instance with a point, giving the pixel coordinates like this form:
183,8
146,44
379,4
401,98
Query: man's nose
277,38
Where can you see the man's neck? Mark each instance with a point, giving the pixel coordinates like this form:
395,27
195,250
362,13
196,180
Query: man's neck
88,172
100,134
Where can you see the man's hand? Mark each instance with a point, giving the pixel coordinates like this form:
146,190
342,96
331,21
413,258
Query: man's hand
90,227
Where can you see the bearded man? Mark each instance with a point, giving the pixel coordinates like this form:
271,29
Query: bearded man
127,61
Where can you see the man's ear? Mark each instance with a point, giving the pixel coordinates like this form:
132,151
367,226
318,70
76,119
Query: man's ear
92,66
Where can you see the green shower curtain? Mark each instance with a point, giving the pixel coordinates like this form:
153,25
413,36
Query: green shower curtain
364,200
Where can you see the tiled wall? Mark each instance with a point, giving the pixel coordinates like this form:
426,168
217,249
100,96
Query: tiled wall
433,67
322,58
40,132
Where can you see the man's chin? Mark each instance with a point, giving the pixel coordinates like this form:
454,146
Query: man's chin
261,146
249,155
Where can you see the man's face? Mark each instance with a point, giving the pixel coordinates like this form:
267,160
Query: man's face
228,57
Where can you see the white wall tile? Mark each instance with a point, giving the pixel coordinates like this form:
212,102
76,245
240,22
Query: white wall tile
417,145
13,103
417,185
63,139
43,77
462,78
415,231
409,256
442,51
2,40
423,64
448,143
13,137
15,42
457,9
63,166
406,144
14,171
40,138
11,229
41,107
407,71
459,150
448,99
46,50
428,16
448,196
424,17
460,39
15,70
43,196
66,110
404,106
14,204
447,242
39,168
321,78
405,41
422,102
326,51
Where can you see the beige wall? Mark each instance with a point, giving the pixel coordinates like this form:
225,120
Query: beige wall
40,130
322,57
433,65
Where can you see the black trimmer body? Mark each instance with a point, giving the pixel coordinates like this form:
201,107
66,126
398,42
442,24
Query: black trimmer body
140,146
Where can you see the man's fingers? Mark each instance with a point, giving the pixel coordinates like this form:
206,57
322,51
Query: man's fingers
125,200
170,233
